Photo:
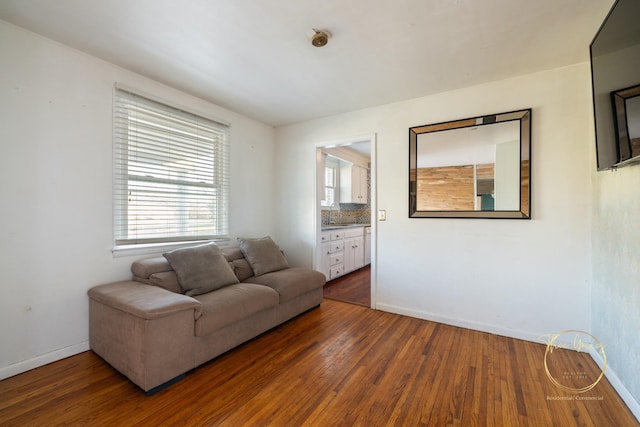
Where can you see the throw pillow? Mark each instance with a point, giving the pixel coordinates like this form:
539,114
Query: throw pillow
201,269
263,255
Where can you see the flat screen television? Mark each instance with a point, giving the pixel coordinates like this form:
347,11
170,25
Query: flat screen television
615,75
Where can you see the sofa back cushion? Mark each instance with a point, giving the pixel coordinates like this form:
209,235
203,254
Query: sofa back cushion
201,269
263,255
242,269
144,268
157,271
167,280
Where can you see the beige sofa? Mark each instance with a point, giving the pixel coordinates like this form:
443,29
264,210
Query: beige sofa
153,333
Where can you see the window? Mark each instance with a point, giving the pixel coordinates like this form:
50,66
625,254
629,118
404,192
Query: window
171,173
331,182
329,185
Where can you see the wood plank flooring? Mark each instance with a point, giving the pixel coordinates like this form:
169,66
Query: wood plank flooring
338,365
355,287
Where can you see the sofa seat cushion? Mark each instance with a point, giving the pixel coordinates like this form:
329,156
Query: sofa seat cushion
231,304
291,282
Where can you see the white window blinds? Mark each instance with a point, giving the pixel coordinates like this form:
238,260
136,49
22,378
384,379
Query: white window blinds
171,173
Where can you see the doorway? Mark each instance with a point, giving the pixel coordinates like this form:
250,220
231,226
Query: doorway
345,204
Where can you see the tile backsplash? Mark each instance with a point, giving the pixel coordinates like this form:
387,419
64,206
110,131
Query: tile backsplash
348,213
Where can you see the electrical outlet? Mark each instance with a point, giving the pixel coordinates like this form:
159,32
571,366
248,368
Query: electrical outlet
382,215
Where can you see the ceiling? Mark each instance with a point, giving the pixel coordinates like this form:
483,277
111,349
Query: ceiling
255,56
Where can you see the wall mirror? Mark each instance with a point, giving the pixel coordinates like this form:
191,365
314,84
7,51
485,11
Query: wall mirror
473,168
626,106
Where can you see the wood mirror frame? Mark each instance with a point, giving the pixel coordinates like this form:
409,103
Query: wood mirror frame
450,176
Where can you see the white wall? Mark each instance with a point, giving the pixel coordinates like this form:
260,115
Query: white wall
616,274
55,181
514,277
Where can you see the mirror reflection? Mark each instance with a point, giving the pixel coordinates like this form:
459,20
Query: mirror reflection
472,168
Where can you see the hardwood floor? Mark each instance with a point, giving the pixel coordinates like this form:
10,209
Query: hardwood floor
355,287
338,365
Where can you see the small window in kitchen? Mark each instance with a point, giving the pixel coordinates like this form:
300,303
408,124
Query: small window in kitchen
331,183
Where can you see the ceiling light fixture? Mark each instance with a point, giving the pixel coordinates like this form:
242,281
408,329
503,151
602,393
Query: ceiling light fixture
320,38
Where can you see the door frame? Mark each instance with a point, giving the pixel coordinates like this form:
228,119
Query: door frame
342,142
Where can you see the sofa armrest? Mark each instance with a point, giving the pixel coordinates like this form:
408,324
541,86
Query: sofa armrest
144,301
145,332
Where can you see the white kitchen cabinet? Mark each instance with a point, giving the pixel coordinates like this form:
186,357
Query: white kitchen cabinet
332,250
337,235
329,235
342,251
353,249
336,271
353,254
353,184
335,259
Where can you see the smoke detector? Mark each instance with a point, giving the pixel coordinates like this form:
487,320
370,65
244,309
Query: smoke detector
320,38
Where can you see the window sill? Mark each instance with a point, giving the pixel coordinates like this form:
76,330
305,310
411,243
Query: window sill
119,251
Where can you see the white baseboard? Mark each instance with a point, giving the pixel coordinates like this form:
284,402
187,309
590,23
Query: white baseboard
476,326
627,398
27,365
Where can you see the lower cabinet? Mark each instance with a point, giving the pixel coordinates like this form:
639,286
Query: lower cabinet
332,249
336,271
353,253
342,251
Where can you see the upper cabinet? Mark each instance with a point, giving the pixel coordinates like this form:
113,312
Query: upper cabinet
353,184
